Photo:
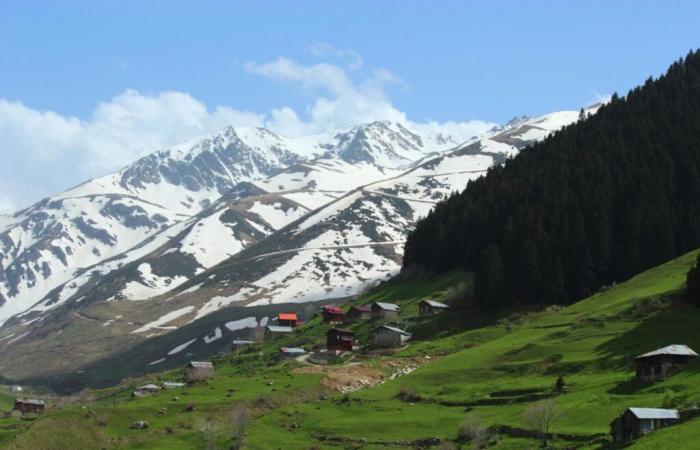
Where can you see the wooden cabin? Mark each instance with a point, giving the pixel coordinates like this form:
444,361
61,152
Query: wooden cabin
273,331
429,308
340,339
358,313
146,389
636,422
663,362
332,314
390,337
29,406
198,371
385,311
238,345
291,352
287,320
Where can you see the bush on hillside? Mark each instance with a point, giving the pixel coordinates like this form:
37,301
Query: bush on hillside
692,291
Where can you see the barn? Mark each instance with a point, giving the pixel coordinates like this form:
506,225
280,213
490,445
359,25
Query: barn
340,339
636,422
428,308
198,370
29,406
385,311
287,319
273,331
332,314
361,312
238,344
663,362
291,352
390,337
146,389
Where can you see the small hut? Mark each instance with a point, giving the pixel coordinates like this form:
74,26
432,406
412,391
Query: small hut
273,331
173,384
146,389
358,313
428,308
636,422
291,352
29,406
340,339
287,320
663,362
385,311
238,345
198,371
390,337
332,314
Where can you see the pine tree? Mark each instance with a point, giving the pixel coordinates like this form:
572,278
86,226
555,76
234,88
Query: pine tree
693,284
488,280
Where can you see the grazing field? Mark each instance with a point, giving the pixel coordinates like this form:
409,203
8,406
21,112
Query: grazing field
462,366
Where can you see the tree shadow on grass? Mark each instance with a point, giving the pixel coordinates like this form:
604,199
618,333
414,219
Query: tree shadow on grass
676,324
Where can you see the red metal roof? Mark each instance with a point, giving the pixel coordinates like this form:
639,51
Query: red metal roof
333,309
287,316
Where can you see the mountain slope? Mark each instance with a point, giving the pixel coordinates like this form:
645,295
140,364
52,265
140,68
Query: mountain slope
418,396
333,251
600,200
60,238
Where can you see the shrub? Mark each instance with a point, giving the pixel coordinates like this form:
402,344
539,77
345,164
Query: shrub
473,431
408,394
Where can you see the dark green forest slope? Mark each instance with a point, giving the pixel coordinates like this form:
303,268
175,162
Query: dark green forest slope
607,197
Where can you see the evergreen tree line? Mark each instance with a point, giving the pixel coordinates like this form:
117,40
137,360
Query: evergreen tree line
602,199
693,283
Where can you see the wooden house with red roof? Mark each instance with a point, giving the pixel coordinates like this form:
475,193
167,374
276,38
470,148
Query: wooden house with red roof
332,314
287,320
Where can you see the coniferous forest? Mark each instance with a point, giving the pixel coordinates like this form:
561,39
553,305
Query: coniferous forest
597,202
693,283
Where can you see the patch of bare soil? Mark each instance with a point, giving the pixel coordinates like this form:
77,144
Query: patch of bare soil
347,378
355,376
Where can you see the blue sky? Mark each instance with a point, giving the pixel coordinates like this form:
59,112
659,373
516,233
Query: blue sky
70,72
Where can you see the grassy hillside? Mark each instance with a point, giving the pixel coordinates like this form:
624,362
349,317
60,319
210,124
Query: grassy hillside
487,369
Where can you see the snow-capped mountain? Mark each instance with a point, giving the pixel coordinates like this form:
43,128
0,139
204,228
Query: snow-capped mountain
296,220
54,242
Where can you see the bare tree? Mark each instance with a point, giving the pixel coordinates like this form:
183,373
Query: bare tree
239,417
258,334
540,416
473,431
210,433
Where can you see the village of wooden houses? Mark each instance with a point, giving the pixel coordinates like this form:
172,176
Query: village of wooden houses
388,334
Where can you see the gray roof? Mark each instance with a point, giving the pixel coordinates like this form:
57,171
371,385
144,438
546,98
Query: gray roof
292,350
201,364
149,387
435,304
395,330
30,401
279,329
388,306
172,384
679,350
655,413
241,342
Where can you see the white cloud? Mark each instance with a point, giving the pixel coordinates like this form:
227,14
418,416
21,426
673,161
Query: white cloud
45,152
322,75
351,58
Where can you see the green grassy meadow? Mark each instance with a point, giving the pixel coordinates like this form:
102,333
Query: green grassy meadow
489,367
